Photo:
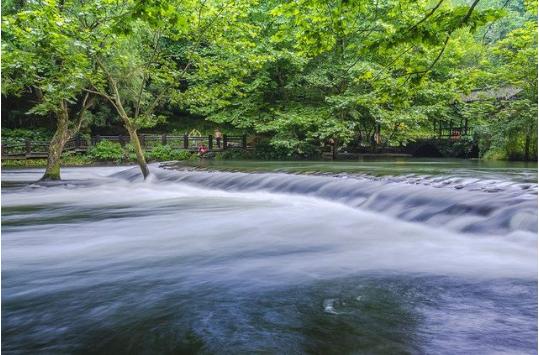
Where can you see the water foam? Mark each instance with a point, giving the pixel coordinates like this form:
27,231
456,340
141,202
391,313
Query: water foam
485,206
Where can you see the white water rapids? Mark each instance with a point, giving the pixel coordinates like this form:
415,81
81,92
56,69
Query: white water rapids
241,262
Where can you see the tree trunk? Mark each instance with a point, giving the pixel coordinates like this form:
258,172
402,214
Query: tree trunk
56,147
117,102
138,149
62,135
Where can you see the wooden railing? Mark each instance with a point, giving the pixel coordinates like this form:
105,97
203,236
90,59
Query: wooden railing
27,148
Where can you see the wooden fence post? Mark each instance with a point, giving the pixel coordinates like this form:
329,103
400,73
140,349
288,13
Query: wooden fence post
210,142
244,141
164,139
143,140
97,139
77,141
225,141
28,146
185,141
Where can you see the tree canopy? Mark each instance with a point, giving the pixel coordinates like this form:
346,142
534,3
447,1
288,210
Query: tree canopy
294,73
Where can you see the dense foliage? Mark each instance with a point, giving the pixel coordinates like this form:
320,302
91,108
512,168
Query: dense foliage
296,75
21,134
114,152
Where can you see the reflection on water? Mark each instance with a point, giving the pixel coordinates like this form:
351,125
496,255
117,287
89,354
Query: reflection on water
392,168
197,262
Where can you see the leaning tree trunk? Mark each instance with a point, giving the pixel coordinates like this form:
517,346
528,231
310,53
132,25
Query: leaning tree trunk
141,160
56,147
131,129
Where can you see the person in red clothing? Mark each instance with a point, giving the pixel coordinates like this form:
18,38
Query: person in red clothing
202,150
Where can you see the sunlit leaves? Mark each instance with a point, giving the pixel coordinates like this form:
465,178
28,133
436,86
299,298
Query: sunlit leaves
40,51
301,71
338,68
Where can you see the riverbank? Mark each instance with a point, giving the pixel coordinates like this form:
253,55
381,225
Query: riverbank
296,166
71,161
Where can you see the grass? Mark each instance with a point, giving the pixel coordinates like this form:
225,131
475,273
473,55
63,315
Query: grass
68,160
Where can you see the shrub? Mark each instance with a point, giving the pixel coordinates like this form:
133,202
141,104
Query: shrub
129,153
161,152
107,151
23,133
75,159
184,155
67,160
18,135
461,148
218,156
24,163
166,152
266,151
235,154
495,154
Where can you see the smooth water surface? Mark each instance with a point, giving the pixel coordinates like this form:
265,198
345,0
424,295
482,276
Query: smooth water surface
215,262
396,167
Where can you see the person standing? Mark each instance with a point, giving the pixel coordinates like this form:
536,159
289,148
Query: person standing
218,137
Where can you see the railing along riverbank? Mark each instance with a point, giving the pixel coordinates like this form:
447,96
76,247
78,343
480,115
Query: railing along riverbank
32,149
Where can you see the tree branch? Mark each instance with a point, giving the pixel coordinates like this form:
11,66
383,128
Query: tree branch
87,102
426,17
442,50
155,41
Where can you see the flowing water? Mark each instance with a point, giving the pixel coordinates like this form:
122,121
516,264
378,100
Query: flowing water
388,258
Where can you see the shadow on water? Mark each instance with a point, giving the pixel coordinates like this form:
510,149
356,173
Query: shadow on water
158,338
354,315
328,317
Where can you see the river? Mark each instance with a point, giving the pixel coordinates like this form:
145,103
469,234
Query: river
415,257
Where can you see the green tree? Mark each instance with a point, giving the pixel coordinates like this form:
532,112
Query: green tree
41,55
144,51
339,70
509,127
299,73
